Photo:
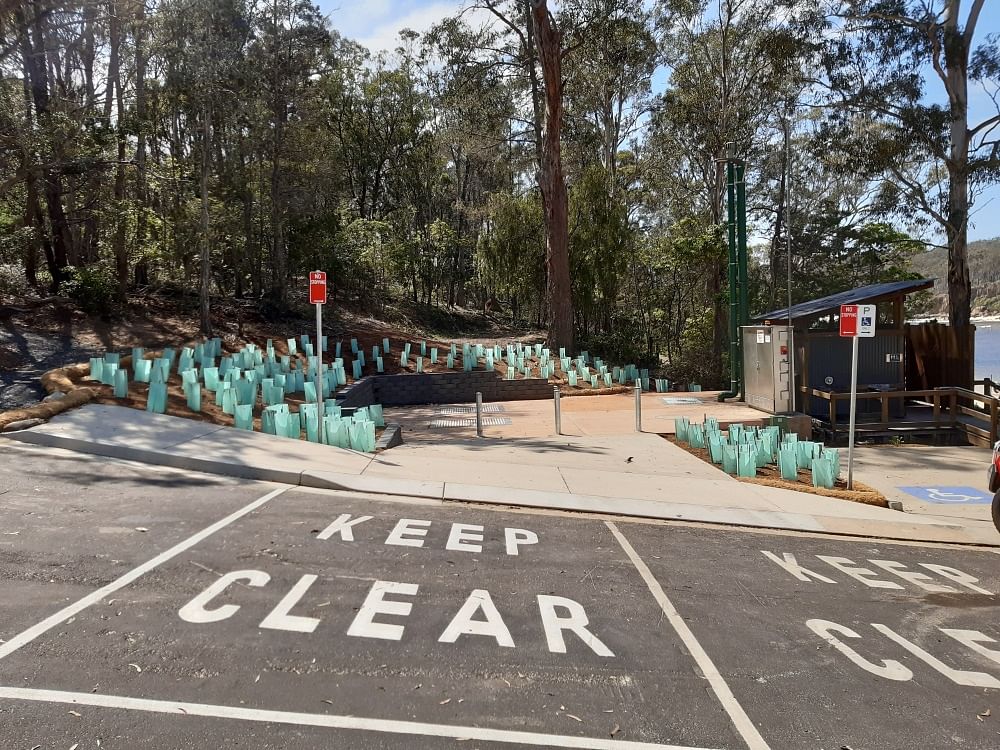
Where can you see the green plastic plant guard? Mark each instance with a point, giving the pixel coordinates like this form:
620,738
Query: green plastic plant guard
510,373
804,453
156,400
715,446
108,373
243,417
96,368
697,435
229,401
788,463
403,358
141,369
309,387
121,384
747,464
354,346
385,346
834,455
337,434
761,454
245,392
729,459
822,473
293,425
292,347
312,424
377,415
267,419
681,428
356,365
379,365
572,377
281,423
420,364
193,394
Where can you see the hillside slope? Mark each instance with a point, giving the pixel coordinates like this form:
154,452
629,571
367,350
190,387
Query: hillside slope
984,272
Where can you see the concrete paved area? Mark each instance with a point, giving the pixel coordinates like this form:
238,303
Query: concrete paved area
635,474
889,468
581,416
253,615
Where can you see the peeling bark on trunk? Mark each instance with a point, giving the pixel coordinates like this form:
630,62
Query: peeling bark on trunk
552,182
956,59
36,63
204,299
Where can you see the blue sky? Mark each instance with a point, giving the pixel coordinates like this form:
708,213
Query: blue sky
376,23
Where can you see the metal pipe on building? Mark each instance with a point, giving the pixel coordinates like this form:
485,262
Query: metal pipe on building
735,361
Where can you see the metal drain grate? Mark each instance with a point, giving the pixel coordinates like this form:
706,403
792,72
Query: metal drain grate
471,409
470,422
676,400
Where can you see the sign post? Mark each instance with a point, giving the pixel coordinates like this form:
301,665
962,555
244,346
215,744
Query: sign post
317,296
856,321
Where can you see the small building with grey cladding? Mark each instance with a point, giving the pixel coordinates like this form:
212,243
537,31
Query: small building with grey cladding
822,361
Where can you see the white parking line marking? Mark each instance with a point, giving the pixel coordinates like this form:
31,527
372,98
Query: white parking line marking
65,613
330,721
739,717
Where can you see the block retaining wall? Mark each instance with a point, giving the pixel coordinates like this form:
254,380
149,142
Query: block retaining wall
440,388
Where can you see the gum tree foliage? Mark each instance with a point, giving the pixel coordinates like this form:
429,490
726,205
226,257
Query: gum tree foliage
886,63
557,164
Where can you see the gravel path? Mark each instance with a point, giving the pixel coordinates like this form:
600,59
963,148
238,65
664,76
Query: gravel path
37,353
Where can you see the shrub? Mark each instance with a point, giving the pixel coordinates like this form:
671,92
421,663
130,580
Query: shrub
93,288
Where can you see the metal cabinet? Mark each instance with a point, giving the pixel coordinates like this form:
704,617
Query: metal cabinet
767,369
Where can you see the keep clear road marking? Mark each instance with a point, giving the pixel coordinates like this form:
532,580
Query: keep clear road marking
26,637
736,713
386,726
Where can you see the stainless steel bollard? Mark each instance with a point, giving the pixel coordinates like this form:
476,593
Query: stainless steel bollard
555,398
479,414
638,408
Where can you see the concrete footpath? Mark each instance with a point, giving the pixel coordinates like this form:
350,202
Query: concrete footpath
638,475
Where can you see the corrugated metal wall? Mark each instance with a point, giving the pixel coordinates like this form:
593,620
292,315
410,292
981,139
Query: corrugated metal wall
831,356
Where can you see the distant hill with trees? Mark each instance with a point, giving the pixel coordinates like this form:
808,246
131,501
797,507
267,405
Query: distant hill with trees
984,272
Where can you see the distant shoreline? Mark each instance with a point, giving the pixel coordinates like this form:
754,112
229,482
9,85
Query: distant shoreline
944,319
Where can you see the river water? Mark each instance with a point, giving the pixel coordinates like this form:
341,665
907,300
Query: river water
988,350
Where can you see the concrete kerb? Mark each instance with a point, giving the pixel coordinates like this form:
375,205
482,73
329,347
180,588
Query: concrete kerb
454,492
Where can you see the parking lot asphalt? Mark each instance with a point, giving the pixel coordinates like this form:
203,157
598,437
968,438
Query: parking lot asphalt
143,609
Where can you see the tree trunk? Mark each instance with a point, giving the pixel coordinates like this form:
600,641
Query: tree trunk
33,50
548,40
956,57
278,253
206,258
141,193
121,213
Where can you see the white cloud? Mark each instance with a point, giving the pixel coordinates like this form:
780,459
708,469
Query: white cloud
376,23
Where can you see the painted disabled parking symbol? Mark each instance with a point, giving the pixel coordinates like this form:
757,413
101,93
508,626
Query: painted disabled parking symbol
949,495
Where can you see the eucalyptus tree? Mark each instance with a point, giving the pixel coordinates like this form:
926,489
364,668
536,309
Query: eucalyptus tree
728,65
886,62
